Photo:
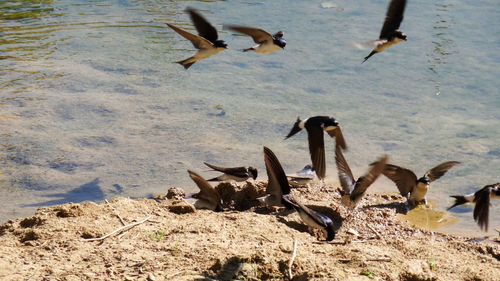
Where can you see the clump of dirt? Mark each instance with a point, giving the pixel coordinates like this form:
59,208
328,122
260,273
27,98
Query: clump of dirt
146,240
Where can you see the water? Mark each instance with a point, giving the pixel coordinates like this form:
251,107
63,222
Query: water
92,107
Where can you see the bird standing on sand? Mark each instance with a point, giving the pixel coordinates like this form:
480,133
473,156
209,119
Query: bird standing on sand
237,174
206,42
208,197
315,127
312,218
390,34
482,199
353,190
266,43
302,177
277,184
408,184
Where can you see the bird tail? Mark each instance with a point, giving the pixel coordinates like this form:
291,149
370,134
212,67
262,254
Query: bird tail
459,200
248,49
371,54
187,62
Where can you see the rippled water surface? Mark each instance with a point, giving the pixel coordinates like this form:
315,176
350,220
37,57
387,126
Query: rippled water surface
91,105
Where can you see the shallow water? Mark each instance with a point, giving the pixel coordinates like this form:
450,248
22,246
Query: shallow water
91,105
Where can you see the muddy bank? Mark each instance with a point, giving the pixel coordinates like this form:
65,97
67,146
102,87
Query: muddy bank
255,244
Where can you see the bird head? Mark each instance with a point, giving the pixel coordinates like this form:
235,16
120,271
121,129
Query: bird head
253,171
400,35
220,44
278,39
296,128
424,180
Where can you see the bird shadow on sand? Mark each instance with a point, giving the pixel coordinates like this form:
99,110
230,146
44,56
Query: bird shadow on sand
398,206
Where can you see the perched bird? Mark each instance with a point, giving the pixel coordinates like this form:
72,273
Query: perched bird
236,174
277,184
390,34
266,43
208,197
312,218
353,190
302,177
315,127
407,181
482,199
206,42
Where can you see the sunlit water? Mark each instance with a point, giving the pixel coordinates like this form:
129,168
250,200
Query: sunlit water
92,107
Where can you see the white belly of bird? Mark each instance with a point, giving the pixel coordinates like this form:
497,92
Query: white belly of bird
386,45
310,222
266,48
418,193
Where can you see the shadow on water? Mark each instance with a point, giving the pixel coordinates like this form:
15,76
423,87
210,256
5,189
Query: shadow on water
90,191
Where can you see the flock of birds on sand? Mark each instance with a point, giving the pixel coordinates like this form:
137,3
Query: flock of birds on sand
414,189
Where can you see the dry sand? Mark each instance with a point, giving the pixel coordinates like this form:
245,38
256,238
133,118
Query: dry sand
178,243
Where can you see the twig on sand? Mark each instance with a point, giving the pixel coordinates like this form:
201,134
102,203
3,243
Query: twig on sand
116,213
375,231
129,226
335,242
173,275
290,275
380,259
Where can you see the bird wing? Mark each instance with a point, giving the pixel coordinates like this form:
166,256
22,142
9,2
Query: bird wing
369,177
240,172
438,171
277,184
404,179
197,41
393,17
317,149
207,191
205,29
482,209
339,137
345,175
259,36
318,217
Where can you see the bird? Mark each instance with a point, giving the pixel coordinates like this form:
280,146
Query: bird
266,43
277,184
208,197
482,199
302,177
315,127
206,41
412,188
312,218
237,174
353,190
390,33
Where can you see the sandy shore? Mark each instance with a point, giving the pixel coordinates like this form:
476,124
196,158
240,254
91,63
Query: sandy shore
171,241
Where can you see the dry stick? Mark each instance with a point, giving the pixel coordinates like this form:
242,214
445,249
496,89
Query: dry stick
119,229
116,213
172,275
375,231
380,259
290,275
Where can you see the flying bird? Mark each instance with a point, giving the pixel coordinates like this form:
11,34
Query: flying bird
312,218
315,127
390,33
266,43
237,174
482,199
206,41
208,197
412,188
277,184
353,190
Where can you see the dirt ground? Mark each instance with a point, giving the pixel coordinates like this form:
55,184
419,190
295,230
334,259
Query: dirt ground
243,242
